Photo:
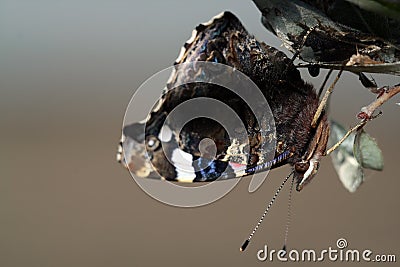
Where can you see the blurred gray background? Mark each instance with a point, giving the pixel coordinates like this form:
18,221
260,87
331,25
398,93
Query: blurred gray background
67,72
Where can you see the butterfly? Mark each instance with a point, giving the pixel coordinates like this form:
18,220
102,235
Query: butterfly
149,149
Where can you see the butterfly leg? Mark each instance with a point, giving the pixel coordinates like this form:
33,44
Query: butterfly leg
324,100
305,37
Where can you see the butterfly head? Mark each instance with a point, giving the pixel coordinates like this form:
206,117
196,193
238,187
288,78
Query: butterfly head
307,167
304,171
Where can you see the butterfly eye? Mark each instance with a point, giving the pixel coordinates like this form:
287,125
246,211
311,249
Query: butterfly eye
152,143
301,167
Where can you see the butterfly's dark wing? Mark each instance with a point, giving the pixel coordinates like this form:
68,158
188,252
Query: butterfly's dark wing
224,40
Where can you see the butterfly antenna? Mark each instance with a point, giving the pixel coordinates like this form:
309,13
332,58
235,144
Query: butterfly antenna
289,215
246,243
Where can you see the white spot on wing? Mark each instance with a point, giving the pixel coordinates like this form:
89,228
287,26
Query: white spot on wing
165,134
183,165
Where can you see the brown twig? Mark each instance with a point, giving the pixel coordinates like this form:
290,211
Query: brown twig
367,112
355,128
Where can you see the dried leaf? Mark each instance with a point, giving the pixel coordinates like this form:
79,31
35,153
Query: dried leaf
367,151
361,60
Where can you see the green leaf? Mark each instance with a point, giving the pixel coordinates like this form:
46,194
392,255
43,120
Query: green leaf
367,151
347,167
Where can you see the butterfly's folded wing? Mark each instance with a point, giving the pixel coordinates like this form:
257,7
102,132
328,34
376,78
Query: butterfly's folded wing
241,151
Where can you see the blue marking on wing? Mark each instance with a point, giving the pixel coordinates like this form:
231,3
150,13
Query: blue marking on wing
207,170
210,170
270,163
204,47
